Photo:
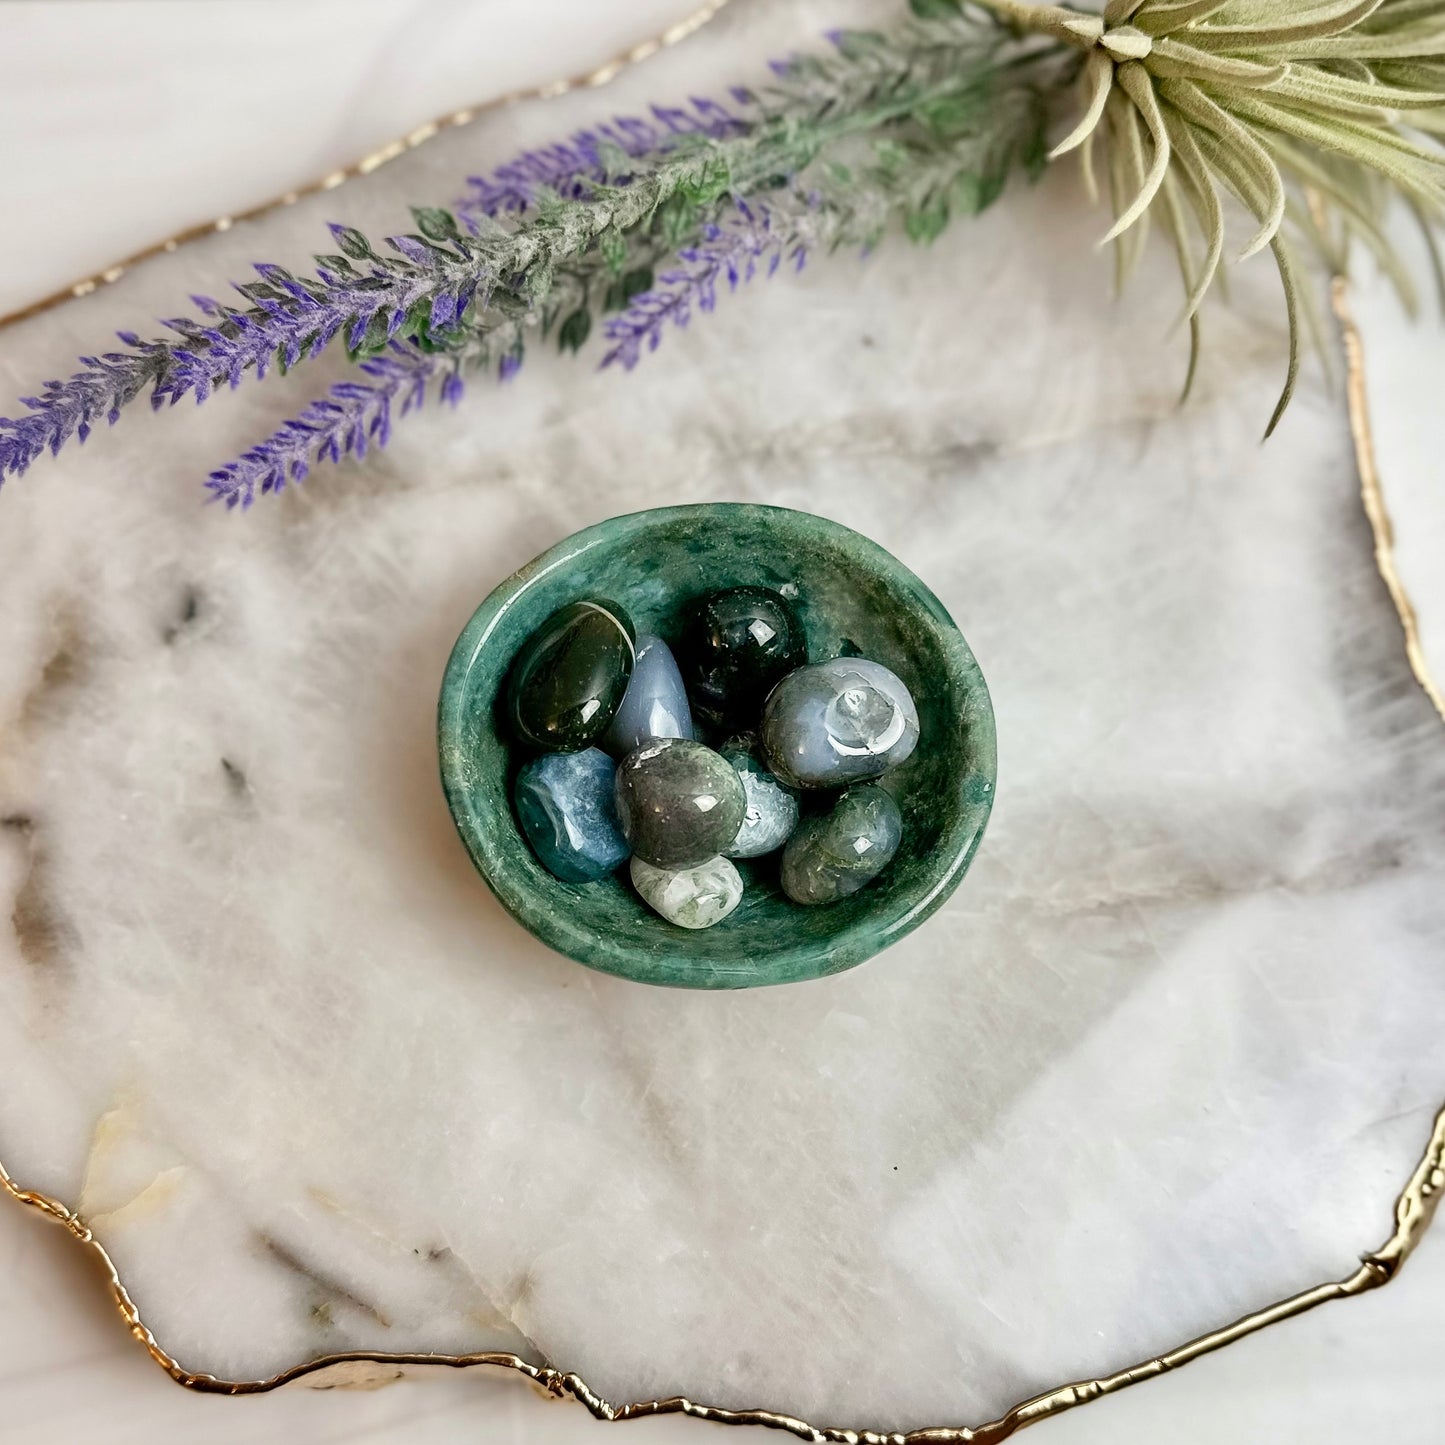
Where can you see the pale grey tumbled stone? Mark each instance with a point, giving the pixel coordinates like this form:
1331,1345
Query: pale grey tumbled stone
695,897
838,722
655,704
772,807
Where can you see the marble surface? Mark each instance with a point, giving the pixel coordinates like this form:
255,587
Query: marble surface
1166,1057
1362,1371
95,88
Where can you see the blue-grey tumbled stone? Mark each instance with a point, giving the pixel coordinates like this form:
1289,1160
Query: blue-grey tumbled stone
835,854
567,807
655,704
772,807
838,722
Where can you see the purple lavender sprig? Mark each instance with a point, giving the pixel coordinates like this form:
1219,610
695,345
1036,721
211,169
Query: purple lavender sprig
734,251
72,408
355,415
348,422
751,238
358,415
591,203
571,168
289,320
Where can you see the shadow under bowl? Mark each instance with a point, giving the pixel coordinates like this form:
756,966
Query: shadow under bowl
854,598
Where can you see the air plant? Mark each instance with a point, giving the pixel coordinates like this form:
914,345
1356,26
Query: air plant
1291,107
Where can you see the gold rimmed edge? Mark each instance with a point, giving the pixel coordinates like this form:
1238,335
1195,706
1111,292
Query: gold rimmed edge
1414,1209
1415,1206
1372,492
587,80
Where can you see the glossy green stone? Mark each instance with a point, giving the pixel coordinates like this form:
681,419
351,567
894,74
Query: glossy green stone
570,676
679,802
834,854
853,598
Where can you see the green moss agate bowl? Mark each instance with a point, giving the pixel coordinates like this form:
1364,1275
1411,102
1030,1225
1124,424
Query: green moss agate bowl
854,598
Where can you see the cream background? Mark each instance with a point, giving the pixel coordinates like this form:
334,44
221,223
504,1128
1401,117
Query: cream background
67,58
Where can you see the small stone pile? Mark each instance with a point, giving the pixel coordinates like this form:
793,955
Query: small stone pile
621,774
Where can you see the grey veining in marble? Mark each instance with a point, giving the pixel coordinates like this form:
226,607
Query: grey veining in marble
256,1012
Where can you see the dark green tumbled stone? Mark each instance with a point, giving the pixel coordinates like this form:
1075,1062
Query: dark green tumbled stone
738,645
836,853
679,802
570,676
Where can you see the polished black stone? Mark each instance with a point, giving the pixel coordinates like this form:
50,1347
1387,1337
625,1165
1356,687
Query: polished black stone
738,645
679,802
570,676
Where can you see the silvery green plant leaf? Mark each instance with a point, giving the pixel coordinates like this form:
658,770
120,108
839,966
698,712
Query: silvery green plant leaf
1288,106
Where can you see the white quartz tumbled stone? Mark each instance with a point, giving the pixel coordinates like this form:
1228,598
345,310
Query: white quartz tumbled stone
695,897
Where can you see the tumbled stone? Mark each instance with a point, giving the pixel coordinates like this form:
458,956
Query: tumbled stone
772,808
570,676
679,803
566,805
695,897
737,645
836,853
838,722
655,704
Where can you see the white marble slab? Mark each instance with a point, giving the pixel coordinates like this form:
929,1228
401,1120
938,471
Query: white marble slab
1167,1057
135,119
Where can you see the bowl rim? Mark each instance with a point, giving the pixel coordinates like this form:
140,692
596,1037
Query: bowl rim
799,961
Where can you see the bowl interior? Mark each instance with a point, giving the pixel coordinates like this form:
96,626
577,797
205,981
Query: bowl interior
854,598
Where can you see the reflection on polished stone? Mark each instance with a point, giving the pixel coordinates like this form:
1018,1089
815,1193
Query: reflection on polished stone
739,644
565,803
655,704
838,722
570,677
772,807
